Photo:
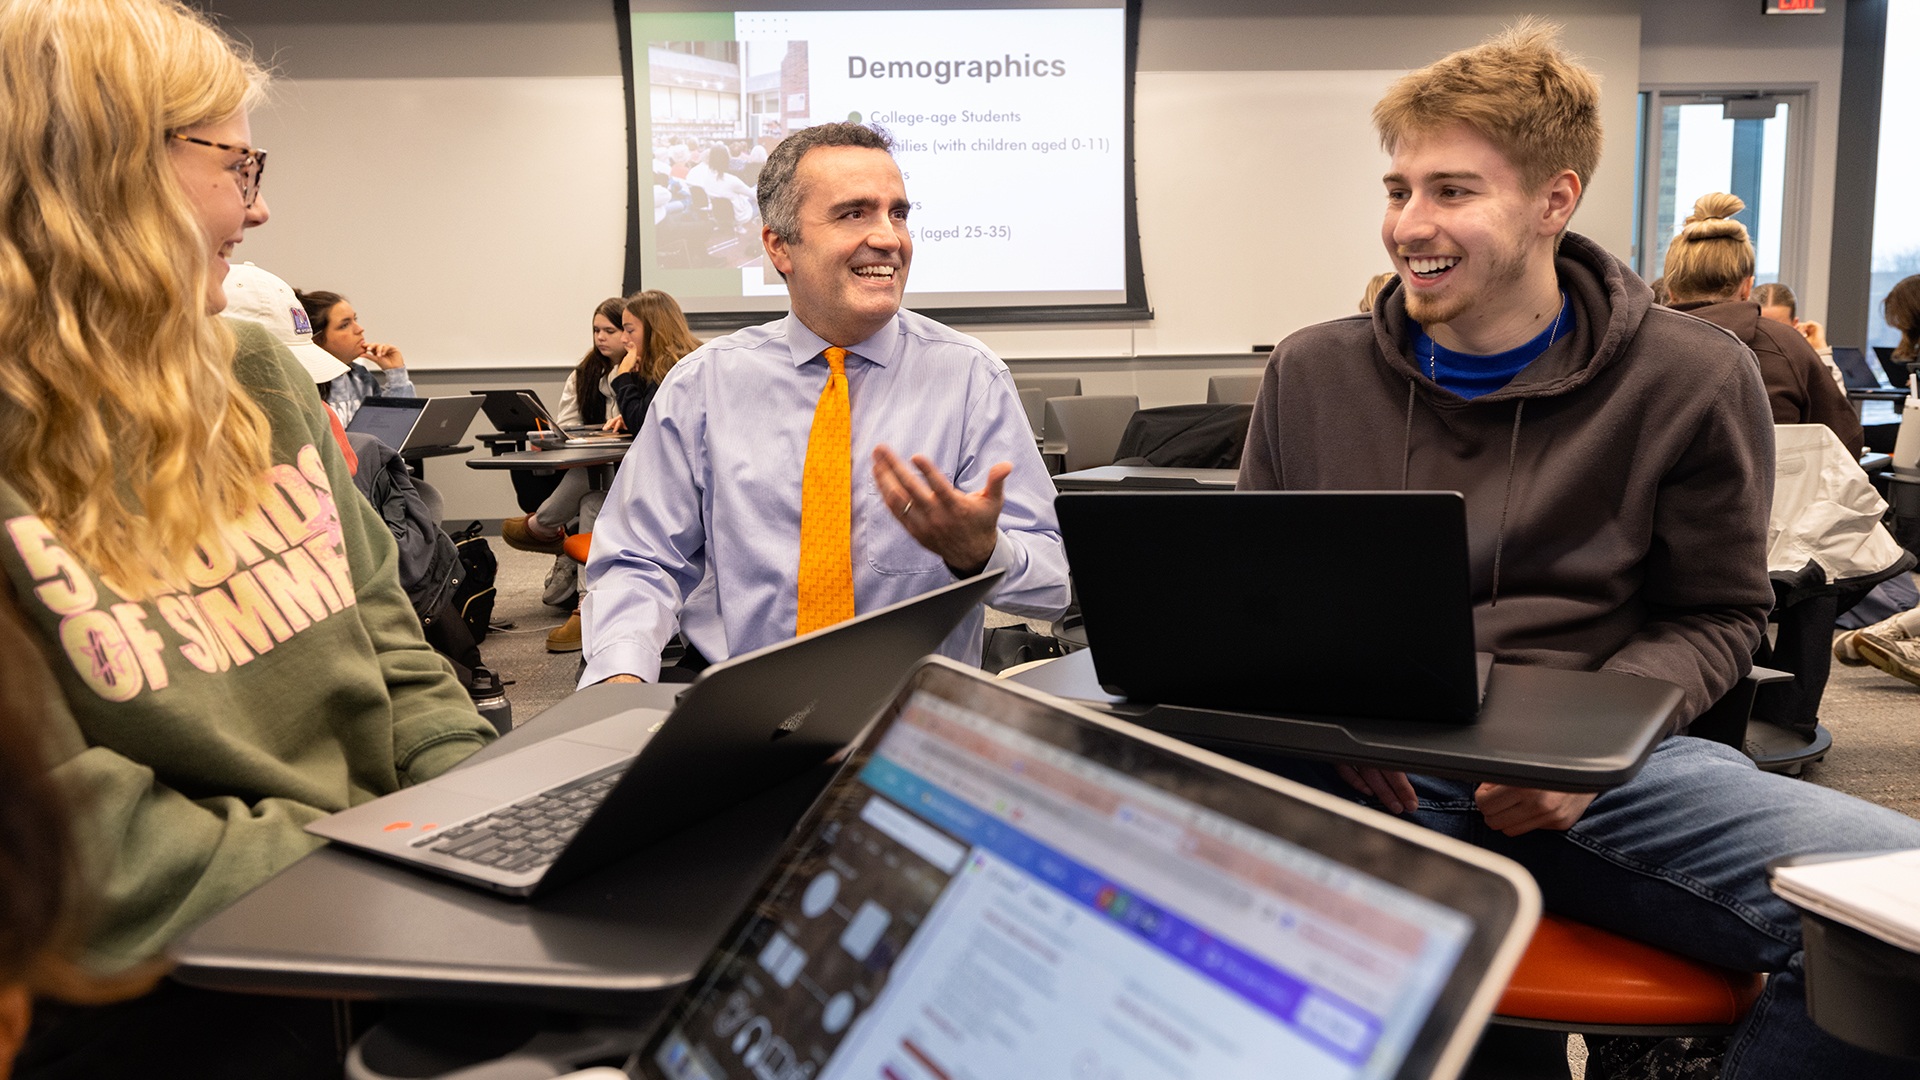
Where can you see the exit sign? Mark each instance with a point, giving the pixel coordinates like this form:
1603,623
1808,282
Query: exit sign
1794,7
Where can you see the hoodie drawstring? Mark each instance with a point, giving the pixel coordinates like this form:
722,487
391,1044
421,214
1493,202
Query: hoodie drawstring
1406,439
1506,500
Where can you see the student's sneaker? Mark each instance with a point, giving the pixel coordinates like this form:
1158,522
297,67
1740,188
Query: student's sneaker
1898,656
566,636
1904,626
518,533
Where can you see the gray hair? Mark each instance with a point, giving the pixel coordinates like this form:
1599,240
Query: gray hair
779,195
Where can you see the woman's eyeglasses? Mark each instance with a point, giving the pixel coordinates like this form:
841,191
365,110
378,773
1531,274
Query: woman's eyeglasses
252,167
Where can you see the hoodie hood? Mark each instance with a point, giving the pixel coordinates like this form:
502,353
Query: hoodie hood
1609,303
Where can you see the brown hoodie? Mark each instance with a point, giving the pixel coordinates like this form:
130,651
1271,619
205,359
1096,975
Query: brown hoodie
1798,387
1617,489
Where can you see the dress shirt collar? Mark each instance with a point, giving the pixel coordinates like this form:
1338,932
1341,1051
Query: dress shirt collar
879,349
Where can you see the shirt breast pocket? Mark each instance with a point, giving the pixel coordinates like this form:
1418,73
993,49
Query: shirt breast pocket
889,548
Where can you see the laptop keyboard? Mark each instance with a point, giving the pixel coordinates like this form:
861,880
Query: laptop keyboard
532,832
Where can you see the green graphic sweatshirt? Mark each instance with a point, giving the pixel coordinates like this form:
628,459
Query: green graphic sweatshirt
198,731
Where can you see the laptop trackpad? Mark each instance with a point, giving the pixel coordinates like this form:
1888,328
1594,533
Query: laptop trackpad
626,731
529,771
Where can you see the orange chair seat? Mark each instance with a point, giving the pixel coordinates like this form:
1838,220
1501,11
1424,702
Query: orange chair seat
1575,974
577,545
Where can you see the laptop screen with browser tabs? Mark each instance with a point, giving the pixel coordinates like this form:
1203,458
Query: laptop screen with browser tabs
999,887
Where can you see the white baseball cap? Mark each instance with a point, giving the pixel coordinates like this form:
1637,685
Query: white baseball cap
260,297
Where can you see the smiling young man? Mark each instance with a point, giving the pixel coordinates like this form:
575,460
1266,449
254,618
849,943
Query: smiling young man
1617,463
706,528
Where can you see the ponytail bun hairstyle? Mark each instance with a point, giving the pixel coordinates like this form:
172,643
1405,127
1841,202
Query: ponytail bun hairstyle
1712,256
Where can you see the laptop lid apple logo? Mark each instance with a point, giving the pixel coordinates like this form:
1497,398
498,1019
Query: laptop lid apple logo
792,723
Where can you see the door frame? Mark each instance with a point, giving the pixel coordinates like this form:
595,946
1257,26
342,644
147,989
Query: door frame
1796,209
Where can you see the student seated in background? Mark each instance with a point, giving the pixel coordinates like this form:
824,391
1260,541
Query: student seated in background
233,654
1616,460
651,336
1710,274
336,328
584,402
706,528
1777,303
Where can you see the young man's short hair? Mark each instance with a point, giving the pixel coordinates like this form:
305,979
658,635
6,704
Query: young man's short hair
1519,89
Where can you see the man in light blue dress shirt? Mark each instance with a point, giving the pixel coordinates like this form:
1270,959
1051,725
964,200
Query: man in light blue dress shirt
702,527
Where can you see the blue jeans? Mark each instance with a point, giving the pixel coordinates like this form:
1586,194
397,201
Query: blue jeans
1676,857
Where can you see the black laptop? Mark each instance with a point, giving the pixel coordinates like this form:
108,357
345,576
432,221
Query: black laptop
1298,603
508,410
1859,379
1897,370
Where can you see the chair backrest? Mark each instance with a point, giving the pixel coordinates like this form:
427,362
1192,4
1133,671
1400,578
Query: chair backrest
1088,428
1232,389
1034,400
1051,386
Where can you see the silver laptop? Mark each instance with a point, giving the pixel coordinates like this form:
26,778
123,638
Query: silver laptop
415,423
528,821
998,885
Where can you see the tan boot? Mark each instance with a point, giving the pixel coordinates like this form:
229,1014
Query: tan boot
566,636
518,533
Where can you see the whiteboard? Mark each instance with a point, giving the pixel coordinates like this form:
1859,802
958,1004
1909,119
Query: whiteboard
475,222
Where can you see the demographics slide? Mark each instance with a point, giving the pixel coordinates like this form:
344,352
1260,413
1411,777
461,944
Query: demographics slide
1008,124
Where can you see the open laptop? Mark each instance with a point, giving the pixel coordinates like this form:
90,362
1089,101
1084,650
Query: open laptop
528,821
997,885
415,423
1304,603
507,411
1897,371
1859,377
544,422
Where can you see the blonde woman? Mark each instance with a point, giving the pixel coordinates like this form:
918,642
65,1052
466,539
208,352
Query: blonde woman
233,656
1709,272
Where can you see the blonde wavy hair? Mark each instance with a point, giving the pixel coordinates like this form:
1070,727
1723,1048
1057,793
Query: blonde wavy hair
668,336
1711,255
120,420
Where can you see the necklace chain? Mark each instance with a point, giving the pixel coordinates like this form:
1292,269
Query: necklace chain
1553,335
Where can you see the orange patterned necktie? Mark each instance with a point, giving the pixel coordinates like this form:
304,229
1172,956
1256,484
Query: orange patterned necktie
826,507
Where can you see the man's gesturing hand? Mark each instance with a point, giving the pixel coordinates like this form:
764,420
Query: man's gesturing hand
959,527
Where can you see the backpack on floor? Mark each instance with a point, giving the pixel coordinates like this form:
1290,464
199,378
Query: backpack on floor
473,592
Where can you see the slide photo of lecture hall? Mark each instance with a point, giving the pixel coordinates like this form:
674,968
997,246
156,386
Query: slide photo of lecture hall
959,540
